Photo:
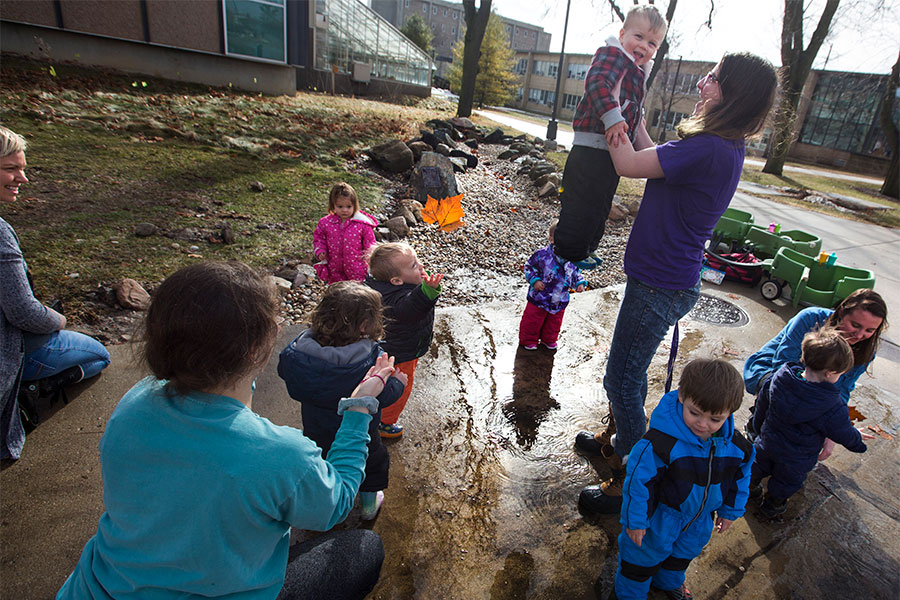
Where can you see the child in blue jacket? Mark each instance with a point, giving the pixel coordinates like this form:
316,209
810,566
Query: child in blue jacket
321,364
805,409
690,471
549,278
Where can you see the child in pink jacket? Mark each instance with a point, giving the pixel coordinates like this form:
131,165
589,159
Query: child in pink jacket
342,237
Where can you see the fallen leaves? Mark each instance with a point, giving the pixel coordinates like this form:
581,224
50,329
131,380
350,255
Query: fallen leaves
879,431
446,212
855,415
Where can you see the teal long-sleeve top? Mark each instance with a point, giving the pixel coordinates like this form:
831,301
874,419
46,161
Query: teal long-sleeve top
200,494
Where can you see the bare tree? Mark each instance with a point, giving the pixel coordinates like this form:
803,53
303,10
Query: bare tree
890,105
796,64
476,24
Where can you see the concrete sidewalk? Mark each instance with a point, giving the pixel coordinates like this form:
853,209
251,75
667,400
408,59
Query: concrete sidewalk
481,502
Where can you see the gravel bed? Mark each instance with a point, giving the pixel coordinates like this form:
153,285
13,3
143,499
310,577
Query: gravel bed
505,222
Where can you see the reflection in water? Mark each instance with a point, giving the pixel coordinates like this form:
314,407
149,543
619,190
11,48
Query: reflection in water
514,579
531,400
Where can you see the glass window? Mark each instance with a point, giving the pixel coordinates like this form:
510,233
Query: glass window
442,28
434,10
356,34
424,8
255,28
570,101
844,112
577,71
522,66
456,14
445,12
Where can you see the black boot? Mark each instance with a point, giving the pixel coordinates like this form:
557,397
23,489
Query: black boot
29,393
589,443
603,499
53,385
772,507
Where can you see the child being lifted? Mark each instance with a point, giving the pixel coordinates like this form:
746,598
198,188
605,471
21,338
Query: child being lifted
612,105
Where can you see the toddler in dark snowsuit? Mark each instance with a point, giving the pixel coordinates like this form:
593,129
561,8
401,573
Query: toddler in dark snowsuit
321,365
805,409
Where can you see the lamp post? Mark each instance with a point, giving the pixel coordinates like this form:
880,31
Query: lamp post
551,125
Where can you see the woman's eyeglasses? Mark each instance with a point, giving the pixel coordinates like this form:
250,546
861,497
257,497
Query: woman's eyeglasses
711,77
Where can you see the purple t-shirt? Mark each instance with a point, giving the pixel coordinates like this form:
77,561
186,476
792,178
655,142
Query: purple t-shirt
678,213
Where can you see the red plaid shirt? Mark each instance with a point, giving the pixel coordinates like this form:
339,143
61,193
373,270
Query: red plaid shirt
609,65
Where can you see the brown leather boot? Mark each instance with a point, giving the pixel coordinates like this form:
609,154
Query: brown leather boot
604,437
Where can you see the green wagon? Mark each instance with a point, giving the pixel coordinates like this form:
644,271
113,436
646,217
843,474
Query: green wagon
811,282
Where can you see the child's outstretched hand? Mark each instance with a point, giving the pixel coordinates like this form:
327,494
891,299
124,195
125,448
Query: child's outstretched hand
401,377
865,434
373,382
617,134
579,287
320,256
636,535
433,281
538,286
722,525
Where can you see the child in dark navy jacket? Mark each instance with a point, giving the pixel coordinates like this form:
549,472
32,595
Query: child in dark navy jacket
805,409
549,278
409,295
321,365
690,471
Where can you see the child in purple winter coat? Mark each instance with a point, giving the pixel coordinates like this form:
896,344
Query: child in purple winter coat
550,278
342,237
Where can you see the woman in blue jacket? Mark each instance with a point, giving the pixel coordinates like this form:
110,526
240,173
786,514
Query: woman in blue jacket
861,318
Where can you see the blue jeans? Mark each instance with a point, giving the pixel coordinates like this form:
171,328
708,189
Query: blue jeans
65,349
644,319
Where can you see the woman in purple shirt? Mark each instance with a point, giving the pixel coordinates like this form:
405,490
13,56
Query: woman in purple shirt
690,182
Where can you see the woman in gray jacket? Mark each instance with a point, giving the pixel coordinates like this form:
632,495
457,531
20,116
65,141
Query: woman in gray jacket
34,345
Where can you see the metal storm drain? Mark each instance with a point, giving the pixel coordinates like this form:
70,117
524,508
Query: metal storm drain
710,309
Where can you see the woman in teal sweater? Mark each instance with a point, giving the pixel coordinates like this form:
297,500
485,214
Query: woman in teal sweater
201,492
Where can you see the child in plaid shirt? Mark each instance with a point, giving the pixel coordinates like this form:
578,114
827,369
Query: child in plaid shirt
612,105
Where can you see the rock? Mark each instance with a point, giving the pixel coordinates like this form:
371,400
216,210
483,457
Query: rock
305,274
471,143
257,186
418,148
508,154
547,177
415,207
433,176
462,123
444,138
471,161
145,229
227,234
130,294
459,164
393,155
382,234
521,147
397,226
286,272
282,285
548,190
406,213
443,149
493,137
617,212
632,205
550,145
541,169
429,138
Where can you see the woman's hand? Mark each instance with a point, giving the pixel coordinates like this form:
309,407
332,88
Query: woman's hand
635,163
538,286
320,256
722,525
62,318
373,382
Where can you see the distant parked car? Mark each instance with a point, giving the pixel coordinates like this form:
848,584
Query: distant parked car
440,82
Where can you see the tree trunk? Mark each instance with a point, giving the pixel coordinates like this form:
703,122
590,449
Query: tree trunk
891,185
796,64
476,23
663,47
